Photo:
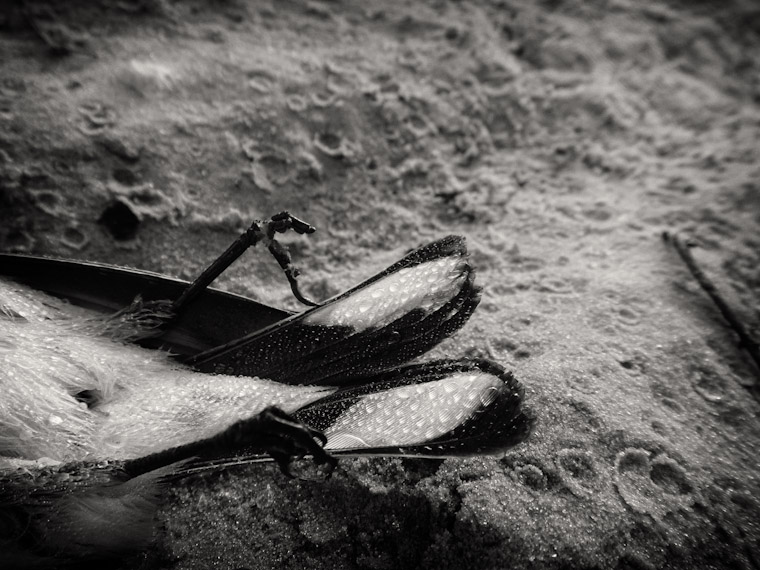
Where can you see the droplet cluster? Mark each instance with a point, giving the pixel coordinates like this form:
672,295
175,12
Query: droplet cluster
426,286
145,401
413,414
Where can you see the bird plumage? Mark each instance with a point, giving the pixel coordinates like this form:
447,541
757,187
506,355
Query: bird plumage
120,421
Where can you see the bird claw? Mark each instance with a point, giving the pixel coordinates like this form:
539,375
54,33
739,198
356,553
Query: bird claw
291,439
284,221
282,255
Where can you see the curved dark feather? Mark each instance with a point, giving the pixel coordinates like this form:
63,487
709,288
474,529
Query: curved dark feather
216,317
293,352
492,428
495,427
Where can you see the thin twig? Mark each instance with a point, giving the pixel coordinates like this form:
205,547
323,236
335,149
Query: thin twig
745,340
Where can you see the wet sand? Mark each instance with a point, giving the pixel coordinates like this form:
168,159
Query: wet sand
561,138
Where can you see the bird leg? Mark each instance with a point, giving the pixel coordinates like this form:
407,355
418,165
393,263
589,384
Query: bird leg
149,319
271,431
259,231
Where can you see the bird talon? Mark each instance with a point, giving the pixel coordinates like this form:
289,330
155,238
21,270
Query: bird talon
294,440
282,256
316,434
297,293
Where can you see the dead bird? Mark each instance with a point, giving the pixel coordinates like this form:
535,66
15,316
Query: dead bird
81,388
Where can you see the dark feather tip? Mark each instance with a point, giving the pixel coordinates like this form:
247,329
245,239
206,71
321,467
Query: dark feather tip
434,409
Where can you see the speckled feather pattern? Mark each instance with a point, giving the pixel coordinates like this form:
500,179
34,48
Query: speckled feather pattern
426,287
414,413
147,401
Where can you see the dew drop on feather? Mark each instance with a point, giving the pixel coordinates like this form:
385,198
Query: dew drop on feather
426,286
429,410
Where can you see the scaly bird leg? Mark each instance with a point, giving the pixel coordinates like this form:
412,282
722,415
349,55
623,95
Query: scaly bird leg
145,320
259,231
272,431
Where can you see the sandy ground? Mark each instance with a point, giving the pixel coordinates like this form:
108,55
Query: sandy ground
560,137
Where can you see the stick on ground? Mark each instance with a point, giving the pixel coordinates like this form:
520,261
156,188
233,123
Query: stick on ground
745,340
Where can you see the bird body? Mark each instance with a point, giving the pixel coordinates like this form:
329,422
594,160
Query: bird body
93,426
71,394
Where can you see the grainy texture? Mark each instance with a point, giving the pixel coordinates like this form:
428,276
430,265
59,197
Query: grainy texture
560,137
